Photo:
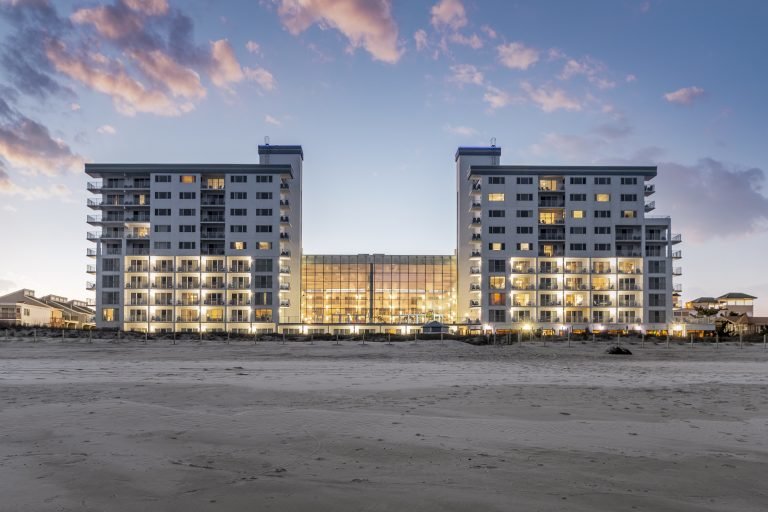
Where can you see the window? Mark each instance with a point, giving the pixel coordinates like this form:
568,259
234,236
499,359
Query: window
524,230
162,228
162,246
524,246
602,230
187,228
524,213
497,266
495,180
263,179
496,246
162,212
237,246
497,299
657,283
263,228
162,178
262,298
238,179
628,197
262,281
238,212
262,265
110,314
496,213
602,198
187,245
263,212
263,246
497,315
525,197
497,282
110,264
629,181
581,180
578,230
602,181
496,230
110,298
578,247
162,195
657,299
187,212
602,214
577,214
238,195
657,317
214,183
527,180
263,195
187,179
657,267
578,197
602,247
495,197
628,214
187,195
238,228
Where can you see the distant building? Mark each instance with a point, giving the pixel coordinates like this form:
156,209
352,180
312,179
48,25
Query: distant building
22,308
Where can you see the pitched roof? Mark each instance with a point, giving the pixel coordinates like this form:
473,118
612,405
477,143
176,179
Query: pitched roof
705,300
736,295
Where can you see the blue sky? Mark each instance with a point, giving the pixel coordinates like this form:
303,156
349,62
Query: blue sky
380,94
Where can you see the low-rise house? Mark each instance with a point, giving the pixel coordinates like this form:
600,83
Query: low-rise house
22,308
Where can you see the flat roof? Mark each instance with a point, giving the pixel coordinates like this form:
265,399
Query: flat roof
267,149
97,170
477,151
563,170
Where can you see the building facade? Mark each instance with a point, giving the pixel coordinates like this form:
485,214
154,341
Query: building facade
560,247
218,247
198,247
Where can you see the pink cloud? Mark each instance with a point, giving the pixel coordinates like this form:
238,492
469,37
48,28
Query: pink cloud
109,21
496,98
106,129
179,80
472,41
420,36
684,96
449,13
226,70
489,31
262,77
253,47
588,67
517,55
550,98
466,74
365,23
148,7
9,188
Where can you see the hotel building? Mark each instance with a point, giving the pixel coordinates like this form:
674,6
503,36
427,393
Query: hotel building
218,247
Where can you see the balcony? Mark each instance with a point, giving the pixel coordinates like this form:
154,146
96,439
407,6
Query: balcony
240,269
603,288
90,269
262,318
549,270
650,189
238,319
284,204
474,287
285,286
137,251
522,270
476,237
476,187
677,287
548,236
551,254
163,286
576,287
215,269
214,302
285,270
476,206
474,255
523,287
677,238
602,303
650,206
137,235
629,304
214,285
629,287
90,286
474,270
476,221
239,302
188,268
551,222
677,271
548,320
212,219
138,203
630,271
187,302
212,235
285,236
285,254
139,285
677,255
212,202
163,319
136,320
188,286
162,302
138,302
474,303
187,319
576,270
90,253
284,219
284,186
551,203
239,285
212,186
629,254
212,251
628,238
523,304
137,218
163,270
550,304
285,303
551,286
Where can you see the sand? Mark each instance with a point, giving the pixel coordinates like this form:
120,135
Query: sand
427,427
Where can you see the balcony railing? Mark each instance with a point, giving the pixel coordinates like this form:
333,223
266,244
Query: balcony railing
474,303
677,255
650,206
606,320
630,304
90,269
91,253
187,319
474,287
552,286
239,286
629,287
208,235
476,206
551,204
603,288
215,269
212,218
677,287
629,238
576,287
285,236
285,286
476,187
677,271
548,222
137,235
474,270
476,237
188,286
285,270
475,221
186,268
677,238
629,254
284,186
630,271
551,304
548,320
522,270
137,269
650,189
135,251
284,203
137,286
523,304
214,302
579,270
163,270
549,270
213,286
240,269
162,319
285,303
212,251
523,287
138,302
285,254
475,254
90,285
163,286
212,202
551,254
602,303
551,236
239,302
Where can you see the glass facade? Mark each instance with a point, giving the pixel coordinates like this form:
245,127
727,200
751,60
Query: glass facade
378,289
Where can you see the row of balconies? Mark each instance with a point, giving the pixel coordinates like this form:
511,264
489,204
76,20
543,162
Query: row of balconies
559,304
578,287
197,319
188,286
117,202
187,302
558,270
97,186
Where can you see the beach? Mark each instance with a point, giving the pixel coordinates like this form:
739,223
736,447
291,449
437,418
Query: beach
426,426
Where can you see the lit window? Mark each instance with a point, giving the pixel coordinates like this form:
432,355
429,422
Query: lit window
237,246
263,246
495,197
602,198
108,314
629,214
496,246
188,179
497,299
524,246
577,214
497,282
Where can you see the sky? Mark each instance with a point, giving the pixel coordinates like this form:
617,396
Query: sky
380,94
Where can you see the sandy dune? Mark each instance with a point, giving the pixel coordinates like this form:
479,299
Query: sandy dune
133,427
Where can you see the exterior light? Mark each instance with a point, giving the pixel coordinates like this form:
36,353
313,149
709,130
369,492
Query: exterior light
527,327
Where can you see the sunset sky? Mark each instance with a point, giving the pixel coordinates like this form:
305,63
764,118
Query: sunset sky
380,93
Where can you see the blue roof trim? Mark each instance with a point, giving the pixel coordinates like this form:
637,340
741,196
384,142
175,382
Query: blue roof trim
96,170
477,151
268,149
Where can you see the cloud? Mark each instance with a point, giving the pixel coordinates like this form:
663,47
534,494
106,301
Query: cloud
420,36
472,41
111,21
721,200
148,7
449,13
630,78
517,55
684,96
549,98
489,31
496,98
271,120
180,81
588,67
106,129
365,23
262,77
568,147
9,188
253,47
225,69
74,107
463,131
28,145
109,77
466,74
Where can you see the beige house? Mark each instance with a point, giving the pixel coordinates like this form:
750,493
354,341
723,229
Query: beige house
22,308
